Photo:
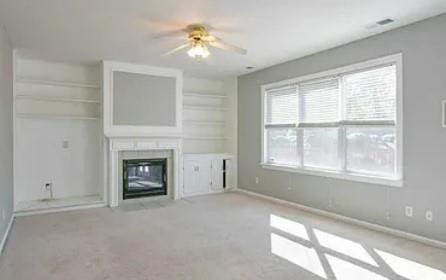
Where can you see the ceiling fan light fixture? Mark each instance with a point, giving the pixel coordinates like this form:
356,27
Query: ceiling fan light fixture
199,40
198,51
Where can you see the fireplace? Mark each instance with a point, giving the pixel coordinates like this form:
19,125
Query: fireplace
144,177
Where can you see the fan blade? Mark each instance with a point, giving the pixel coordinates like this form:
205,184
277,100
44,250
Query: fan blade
172,34
219,43
177,49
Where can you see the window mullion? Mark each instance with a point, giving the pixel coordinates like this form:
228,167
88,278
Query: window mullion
299,142
342,148
299,133
342,132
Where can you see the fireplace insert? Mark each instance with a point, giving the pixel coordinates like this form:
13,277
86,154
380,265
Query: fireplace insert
144,177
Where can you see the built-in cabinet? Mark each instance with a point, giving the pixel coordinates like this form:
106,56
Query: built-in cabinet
207,173
209,135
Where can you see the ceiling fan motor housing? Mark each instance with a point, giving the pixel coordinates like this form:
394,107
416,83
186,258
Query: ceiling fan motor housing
197,33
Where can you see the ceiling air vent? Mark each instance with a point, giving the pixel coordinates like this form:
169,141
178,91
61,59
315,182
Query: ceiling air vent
385,21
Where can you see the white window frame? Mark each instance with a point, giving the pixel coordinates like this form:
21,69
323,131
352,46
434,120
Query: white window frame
397,180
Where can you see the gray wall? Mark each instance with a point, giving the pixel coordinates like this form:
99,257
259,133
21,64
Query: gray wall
143,100
6,191
424,86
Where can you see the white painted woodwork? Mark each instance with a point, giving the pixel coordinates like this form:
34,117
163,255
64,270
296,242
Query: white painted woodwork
57,131
217,174
196,178
209,107
56,90
133,130
59,136
209,134
203,173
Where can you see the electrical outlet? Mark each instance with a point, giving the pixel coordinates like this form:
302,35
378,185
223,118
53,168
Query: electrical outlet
409,211
388,216
257,180
3,214
65,144
429,216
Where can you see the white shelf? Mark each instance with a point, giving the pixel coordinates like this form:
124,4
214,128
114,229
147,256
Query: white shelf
189,94
55,117
207,126
204,108
43,205
56,83
207,123
191,137
56,99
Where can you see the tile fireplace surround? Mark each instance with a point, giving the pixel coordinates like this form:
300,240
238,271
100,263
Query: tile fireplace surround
117,145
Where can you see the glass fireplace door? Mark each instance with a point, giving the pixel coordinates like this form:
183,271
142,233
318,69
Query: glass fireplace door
144,177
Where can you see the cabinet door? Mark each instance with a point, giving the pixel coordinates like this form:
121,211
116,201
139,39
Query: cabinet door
205,175
196,176
217,174
191,178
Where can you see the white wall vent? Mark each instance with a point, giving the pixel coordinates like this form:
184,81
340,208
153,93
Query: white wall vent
385,21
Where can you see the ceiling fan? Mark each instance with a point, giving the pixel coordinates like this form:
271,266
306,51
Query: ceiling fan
198,39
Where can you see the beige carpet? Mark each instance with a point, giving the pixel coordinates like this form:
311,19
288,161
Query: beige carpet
227,236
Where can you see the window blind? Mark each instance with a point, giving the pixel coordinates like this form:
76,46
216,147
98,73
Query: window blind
371,94
345,122
320,101
281,105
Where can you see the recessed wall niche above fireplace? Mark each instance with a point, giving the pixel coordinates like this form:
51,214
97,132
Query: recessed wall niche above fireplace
144,177
141,100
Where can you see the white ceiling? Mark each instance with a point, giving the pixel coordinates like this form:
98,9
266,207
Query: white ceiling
271,31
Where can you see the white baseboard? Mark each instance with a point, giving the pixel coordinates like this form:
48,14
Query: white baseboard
5,236
60,209
223,190
395,232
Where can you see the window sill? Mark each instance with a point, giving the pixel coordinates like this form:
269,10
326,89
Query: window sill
336,175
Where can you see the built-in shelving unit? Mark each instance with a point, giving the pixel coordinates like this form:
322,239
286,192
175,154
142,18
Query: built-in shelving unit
58,134
208,117
61,100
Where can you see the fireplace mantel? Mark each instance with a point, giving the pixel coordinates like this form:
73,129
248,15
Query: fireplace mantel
117,145
142,112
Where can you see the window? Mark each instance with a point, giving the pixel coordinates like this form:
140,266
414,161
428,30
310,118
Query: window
342,123
281,123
